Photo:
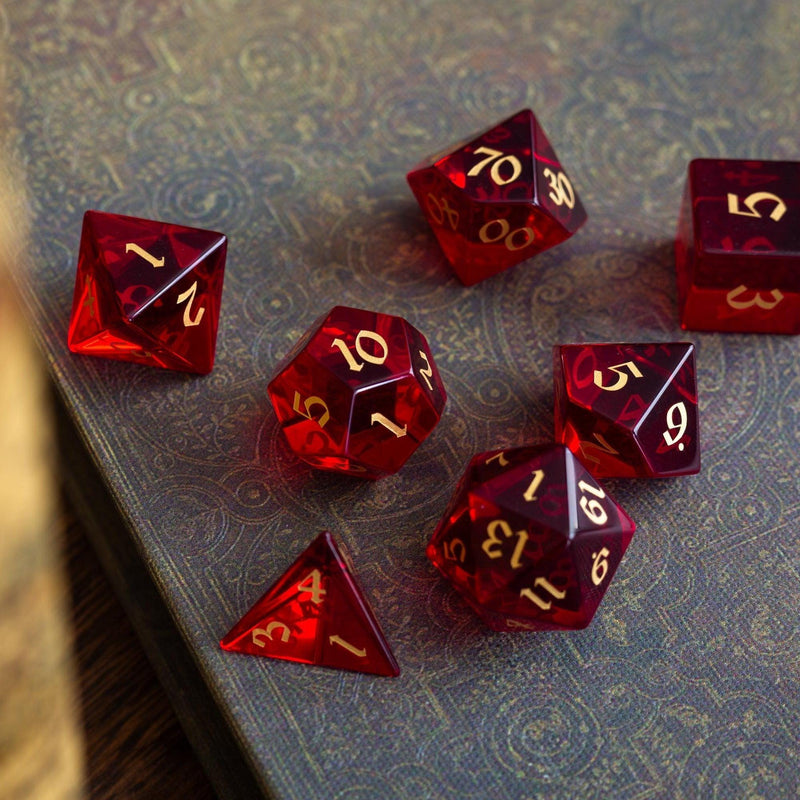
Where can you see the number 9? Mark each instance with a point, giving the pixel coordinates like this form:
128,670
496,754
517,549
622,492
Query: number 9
675,428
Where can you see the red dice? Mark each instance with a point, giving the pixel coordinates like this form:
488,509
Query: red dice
737,250
358,393
147,292
315,613
498,199
530,539
628,410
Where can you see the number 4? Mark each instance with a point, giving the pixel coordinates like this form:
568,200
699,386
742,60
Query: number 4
312,583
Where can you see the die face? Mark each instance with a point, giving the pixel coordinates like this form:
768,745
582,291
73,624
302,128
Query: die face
498,199
184,318
738,246
628,410
315,613
313,408
530,539
360,394
147,292
448,213
388,422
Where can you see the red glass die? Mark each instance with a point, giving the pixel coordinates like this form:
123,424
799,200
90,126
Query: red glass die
315,614
497,199
358,393
530,539
737,250
147,292
628,410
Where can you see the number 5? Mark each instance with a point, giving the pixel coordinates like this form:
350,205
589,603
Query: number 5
750,202
623,377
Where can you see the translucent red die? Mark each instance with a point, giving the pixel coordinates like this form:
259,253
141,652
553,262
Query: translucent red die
147,292
628,410
358,393
530,539
497,199
737,250
315,614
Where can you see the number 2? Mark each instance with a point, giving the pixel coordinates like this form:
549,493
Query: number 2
187,312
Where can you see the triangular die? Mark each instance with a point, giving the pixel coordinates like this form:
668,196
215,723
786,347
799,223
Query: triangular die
315,614
144,257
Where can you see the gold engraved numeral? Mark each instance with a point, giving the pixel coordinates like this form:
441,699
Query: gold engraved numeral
543,583
260,633
132,247
89,299
361,653
592,508
602,446
676,428
750,203
499,158
493,546
600,566
503,231
312,584
439,209
449,549
622,377
308,404
426,373
530,492
500,458
189,294
732,299
389,425
561,191
363,354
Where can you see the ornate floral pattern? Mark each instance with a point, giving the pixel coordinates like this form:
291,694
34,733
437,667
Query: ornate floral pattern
290,127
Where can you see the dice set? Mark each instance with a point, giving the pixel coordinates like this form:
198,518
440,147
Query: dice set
530,538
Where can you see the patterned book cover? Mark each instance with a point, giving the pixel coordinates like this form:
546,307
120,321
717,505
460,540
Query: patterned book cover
290,128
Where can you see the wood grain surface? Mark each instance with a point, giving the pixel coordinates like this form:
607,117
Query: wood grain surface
135,748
